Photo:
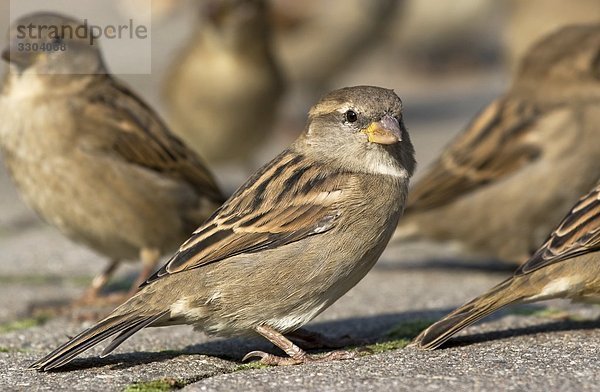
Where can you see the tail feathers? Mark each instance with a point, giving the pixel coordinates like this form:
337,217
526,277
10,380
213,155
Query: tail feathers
473,311
127,325
124,335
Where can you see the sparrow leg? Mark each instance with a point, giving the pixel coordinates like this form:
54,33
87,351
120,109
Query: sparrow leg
149,258
296,354
315,340
92,294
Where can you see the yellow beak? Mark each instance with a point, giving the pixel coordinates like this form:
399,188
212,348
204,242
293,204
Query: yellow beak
384,131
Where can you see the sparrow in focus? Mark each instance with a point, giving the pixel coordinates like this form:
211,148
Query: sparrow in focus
90,157
501,186
223,92
293,239
566,266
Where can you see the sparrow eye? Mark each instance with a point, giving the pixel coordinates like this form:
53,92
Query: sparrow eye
351,116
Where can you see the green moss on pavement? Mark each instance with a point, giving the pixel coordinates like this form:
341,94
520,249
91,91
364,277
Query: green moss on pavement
21,324
549,313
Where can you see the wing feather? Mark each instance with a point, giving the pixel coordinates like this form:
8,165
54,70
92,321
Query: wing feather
288,200
136,134
493,146
578,233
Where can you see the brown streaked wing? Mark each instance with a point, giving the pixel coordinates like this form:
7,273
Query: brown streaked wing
135,132
493,145
577,234
288,200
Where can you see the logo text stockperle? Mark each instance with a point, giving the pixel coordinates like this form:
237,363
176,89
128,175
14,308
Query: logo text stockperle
83,31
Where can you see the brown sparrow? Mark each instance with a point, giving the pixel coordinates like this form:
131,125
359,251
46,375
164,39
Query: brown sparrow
223,91
90,157
501,186
293,239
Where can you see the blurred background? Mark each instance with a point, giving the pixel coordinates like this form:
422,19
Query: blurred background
446,60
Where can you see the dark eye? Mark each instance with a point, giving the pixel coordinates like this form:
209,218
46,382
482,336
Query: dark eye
351,116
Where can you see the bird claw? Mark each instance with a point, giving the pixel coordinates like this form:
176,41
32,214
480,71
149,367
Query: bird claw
270,359
254,354
274,360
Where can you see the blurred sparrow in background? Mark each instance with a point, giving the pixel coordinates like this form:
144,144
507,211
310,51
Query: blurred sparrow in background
501,186
223,91
90,157
317,40
566,266
294,238
528,21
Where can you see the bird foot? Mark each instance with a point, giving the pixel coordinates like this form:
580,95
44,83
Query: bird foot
274,360
101,300
88,308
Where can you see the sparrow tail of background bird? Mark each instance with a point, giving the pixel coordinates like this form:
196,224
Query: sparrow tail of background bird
471,312
124,325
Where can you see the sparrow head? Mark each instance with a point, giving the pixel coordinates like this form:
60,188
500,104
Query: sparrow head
569,56
238,23
53,44
360,128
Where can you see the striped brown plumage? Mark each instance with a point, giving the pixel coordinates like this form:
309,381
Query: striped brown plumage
503,184
291,241
569,255
289,199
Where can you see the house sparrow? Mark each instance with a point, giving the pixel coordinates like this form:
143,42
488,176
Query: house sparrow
501,186
90,156
294,238
322,38
223,92
566,266
527,21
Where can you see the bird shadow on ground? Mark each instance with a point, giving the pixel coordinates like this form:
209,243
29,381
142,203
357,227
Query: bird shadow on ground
358,331
556,326
364,331
447,264
20,224
111,296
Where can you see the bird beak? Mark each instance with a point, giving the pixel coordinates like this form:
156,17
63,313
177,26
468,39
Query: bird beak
19,57
384,131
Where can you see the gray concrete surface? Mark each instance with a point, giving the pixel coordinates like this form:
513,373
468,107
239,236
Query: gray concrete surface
548,347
